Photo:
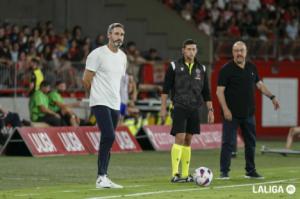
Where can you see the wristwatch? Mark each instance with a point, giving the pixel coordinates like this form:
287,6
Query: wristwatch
211,109
272,97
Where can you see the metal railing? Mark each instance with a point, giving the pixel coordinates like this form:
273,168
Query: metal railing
15,79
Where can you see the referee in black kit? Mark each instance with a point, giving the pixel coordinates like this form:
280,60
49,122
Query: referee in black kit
236,90
187,81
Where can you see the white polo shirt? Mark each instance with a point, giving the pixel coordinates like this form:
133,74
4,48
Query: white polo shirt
109,67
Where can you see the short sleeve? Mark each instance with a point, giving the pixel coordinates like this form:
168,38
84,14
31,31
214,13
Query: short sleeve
223,77
125,65
92,61
39,99
54,96
169,80
257,79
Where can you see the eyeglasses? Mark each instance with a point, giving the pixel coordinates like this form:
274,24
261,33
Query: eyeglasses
239,50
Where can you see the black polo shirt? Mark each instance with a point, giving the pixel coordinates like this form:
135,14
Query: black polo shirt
240,87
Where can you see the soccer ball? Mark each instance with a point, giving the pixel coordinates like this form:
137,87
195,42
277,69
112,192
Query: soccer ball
203,176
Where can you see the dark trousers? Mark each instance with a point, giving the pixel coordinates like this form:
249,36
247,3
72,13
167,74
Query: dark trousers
107,120
51,120
11,119
247,126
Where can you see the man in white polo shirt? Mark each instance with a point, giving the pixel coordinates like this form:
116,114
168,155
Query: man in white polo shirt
105,67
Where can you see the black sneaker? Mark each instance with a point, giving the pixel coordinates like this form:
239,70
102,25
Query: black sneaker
177,178
224,176
253,175
233,154
189,178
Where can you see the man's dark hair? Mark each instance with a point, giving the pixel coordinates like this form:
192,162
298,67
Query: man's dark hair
130,43
188,42
45,83
58,82
35,60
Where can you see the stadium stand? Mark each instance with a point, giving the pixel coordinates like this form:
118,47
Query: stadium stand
269,27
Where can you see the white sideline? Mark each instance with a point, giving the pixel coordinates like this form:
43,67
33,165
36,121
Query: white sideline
192,189
72,191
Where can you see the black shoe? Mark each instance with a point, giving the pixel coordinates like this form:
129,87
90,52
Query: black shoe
224,176
26,123
177,178
253,175
189,178
233,154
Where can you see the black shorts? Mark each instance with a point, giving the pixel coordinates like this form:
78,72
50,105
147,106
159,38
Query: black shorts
185,120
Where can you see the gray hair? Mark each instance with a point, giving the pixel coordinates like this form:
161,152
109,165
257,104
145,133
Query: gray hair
114,25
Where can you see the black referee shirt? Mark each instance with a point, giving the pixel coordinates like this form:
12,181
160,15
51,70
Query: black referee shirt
240,87
187,89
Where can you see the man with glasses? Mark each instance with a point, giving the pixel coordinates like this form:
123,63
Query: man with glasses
236,89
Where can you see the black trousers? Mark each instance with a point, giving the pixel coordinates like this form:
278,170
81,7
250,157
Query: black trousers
107,120
12,119
248,131
51,120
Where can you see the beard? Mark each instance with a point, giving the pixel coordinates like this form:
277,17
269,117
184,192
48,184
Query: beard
117,43
240,60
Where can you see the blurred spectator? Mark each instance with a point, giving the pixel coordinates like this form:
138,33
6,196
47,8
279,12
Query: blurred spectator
68,72
14,34
201,14
9,119
37,76
74,52
187,11
39,107
62,46
220,28
233,29
2,33
215,13
135,60
292,29
293,132
52,37
227,13
23,68
57,104
206,27
152,55
227,20
14,52
136,66
248,27
253,5
77,35
36,37
99,41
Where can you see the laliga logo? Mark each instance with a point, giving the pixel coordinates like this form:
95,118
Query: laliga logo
274,189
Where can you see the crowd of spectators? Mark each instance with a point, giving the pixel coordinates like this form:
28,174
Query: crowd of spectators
60,54
265,21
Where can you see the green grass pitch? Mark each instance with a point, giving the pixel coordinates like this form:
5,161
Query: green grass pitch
145,175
